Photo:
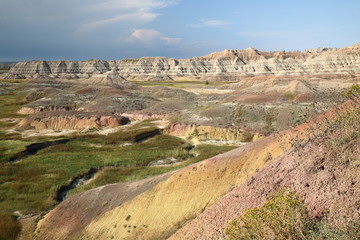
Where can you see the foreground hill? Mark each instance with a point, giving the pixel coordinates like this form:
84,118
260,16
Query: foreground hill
323,170
158,212
225,65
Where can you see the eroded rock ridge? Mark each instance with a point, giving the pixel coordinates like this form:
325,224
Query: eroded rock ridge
232,64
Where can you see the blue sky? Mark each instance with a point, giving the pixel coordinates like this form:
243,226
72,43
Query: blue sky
116,29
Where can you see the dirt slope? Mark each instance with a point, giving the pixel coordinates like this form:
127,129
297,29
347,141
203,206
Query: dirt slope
329,191
77,211
326,179
157,213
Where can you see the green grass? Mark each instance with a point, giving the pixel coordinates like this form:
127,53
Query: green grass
30,185
9,105
125,174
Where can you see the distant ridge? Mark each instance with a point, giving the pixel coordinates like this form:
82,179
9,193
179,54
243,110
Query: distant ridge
224,65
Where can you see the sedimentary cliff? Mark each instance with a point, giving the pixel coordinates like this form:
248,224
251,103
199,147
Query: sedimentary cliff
220,65
71,120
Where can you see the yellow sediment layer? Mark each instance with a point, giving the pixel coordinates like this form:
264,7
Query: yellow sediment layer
157,213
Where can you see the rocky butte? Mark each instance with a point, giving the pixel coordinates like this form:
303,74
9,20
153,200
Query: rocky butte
225,65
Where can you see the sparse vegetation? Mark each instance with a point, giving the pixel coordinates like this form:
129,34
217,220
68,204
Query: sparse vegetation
238,114
269,120
130,173
282,217
289,96
338,130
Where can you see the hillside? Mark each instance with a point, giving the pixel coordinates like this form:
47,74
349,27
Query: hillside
216,190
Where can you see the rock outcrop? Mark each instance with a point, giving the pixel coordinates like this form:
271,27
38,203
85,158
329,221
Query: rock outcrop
212,134
228,64
59,120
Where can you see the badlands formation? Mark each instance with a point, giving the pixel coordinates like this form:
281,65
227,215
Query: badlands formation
226,65
249,99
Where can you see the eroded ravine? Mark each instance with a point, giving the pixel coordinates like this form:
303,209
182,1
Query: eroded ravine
77,181
32,149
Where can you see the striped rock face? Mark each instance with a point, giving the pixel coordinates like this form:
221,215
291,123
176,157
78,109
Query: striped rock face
225,65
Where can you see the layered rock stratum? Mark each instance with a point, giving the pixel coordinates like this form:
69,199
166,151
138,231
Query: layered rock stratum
71,120
225,65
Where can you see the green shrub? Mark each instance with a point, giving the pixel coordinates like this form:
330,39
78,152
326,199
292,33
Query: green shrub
289,96
353,92
282,217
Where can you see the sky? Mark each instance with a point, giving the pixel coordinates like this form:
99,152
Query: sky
117,29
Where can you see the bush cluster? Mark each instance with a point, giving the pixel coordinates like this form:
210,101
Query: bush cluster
282,217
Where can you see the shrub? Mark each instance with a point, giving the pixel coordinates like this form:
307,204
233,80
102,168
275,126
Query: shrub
282,217
289,96
269,119
340,135
238,114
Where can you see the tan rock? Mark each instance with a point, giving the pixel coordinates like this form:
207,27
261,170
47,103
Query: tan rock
59,120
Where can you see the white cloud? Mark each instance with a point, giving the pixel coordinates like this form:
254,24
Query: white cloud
151,36
145,35
126,12
170,41
209,23
136,18
133,4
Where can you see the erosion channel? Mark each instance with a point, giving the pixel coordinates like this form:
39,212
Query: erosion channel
81,180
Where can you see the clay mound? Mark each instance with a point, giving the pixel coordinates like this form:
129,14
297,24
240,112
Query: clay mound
101,91
111,79
76,212
166,92
254,98
58,102
39,93
159,77
166,107
47,81
119,103
59,120
87,90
